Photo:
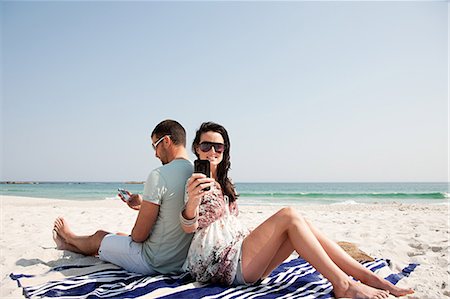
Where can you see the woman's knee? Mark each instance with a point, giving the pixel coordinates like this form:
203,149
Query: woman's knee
290,215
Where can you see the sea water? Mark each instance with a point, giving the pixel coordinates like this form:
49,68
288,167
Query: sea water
342,193
256,193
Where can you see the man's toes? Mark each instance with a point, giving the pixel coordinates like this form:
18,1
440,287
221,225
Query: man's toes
59,222
56,236
56,226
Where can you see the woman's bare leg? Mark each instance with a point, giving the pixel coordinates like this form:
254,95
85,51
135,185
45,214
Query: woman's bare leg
352,267
261,247
284,251
87,245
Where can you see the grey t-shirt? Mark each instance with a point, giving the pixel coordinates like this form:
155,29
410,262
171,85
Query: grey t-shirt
166,248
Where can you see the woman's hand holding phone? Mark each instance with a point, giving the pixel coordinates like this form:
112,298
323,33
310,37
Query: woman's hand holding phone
195,190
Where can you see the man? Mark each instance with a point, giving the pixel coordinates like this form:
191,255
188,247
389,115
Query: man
157,243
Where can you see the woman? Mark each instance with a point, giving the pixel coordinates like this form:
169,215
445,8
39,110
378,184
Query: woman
223,251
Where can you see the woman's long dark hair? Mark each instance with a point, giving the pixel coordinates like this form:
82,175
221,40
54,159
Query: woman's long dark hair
224,166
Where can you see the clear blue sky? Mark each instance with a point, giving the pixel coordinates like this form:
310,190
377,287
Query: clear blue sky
309,91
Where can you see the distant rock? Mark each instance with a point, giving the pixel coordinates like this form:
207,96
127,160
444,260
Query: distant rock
19,183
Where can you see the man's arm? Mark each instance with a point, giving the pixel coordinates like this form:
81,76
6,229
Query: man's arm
145,220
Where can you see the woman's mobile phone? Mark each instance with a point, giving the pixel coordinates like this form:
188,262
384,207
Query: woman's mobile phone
203,166
124,194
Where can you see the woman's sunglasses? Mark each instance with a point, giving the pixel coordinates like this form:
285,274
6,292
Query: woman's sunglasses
207,146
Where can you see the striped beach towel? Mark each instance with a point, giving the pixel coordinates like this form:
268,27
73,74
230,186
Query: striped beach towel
293,279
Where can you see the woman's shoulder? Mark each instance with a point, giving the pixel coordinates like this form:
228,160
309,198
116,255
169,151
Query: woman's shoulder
217,185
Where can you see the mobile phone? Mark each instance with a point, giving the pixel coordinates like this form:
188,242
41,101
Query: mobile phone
124,194
203,166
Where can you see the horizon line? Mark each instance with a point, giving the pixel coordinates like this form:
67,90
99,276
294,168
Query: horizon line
11,182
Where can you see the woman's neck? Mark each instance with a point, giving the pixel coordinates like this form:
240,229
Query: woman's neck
214,172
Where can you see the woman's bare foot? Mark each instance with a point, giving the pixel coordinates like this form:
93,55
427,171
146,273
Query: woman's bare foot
380,283
353,289
62,228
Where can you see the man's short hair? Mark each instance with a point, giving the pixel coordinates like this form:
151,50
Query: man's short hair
173,128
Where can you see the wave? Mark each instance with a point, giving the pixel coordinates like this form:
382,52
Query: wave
398,195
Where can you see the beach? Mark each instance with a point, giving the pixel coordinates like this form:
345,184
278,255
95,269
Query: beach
403,233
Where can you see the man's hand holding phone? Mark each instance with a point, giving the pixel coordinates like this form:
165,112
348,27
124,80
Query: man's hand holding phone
123,194
134,201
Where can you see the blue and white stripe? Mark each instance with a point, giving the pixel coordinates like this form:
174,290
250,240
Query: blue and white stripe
293,279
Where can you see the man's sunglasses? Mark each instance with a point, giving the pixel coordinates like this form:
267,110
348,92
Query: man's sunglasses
158,142
207,146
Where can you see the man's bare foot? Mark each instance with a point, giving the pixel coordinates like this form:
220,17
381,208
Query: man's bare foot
380,283
60,243
353,289
62,228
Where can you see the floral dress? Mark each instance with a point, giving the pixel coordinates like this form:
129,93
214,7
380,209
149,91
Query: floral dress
216,246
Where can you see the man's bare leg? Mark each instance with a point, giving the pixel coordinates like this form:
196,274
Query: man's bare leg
61,244
87,245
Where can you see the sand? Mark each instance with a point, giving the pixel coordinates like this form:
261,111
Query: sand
415,233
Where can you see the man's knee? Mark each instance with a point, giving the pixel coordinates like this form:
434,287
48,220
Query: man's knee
100,234
95,242
98,237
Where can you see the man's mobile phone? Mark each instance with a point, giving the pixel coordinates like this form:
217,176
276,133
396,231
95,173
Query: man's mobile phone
124,194
203,166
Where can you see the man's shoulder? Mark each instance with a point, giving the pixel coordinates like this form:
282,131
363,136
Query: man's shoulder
183,167
176,165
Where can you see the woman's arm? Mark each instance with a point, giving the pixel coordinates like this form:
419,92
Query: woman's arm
189,225
194,193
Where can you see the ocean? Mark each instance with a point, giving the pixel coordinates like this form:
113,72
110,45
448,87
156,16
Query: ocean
256,193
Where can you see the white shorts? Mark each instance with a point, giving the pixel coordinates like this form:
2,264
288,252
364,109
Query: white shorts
124,252
239,277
